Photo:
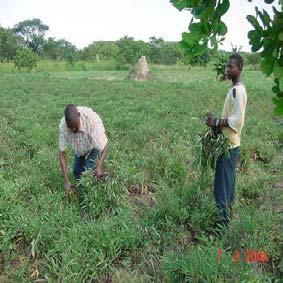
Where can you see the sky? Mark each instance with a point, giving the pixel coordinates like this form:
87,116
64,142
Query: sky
82,22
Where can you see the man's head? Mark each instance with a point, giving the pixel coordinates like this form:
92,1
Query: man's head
72,117
235,66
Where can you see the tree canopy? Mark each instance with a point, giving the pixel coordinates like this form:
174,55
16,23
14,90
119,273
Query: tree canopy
33,32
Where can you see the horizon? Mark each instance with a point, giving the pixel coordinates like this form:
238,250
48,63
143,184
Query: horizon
86,22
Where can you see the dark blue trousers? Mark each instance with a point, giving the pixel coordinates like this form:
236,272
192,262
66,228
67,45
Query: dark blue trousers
224,184
80,165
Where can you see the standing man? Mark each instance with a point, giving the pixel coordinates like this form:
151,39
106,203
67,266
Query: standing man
230,124
83,129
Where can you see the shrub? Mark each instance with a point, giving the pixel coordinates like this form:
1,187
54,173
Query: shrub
253,59
220,67
25,58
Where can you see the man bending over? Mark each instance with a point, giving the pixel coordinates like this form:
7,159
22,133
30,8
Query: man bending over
83,129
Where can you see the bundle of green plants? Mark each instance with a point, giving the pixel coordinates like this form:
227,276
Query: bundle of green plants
101,197
210,146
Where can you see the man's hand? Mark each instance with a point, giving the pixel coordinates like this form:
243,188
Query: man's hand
68,187
209,119
99,172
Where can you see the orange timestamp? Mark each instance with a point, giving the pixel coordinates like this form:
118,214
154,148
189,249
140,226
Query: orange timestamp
248,256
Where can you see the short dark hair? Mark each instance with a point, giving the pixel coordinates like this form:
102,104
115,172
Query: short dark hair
239,60
70,112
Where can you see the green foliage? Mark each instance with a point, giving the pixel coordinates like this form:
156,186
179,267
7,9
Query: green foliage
161,52
8,44
266,35
33,32
60,50
252,59
220,66
102,197
130,51
77,258
105,51
209,148
209,31
188,205
25,58
201,60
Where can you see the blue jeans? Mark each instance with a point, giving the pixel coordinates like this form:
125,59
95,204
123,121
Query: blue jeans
224,184
81,164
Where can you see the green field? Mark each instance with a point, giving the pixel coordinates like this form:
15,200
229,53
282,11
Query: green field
150,220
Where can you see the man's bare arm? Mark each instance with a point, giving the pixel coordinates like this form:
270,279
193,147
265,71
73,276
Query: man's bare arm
63,165
99,166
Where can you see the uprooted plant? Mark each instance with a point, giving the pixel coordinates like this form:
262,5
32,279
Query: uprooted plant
210,146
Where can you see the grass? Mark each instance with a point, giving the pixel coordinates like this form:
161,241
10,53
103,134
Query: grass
153,223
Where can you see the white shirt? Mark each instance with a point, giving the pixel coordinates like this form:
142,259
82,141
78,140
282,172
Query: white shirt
91,133
234,109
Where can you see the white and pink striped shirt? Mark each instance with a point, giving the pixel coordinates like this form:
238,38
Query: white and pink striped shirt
91,133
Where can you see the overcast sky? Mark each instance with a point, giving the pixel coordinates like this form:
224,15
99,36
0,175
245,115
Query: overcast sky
82,22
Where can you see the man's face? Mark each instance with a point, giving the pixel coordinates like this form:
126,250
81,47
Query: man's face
75,124
232,69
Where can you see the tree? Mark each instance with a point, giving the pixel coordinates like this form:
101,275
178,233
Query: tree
60,50
161,52
33,32
105,50
220,66
253,59
8,44
200,60
25,58
266,36
51,49
130,50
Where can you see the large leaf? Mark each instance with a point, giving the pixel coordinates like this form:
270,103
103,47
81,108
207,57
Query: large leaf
199,49
267,65
254,22
279,105
221,28
179,4
208,9
268,48
195,28
206,28
190,38
254,35
197,12
222,8
275,11
265,19
257,46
